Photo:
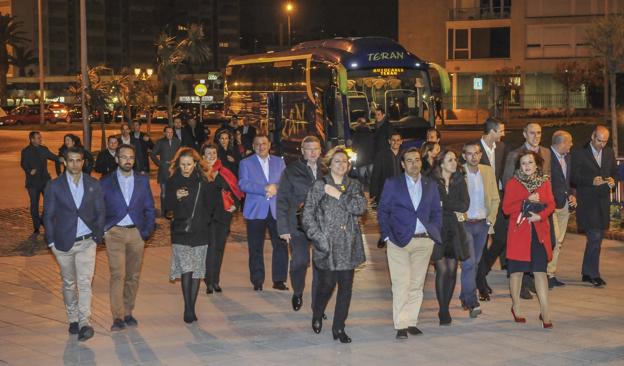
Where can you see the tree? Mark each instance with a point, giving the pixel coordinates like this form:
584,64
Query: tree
172,55
572,76
10,35
22,58
121,87
606,37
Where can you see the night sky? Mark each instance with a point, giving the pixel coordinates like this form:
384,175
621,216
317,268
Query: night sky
315,19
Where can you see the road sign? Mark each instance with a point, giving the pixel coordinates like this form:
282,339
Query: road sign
477,83
201,90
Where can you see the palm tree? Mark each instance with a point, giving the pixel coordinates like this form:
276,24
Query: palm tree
22,58
10,35
121,87
172,55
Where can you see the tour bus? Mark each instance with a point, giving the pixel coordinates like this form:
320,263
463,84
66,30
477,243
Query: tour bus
322,87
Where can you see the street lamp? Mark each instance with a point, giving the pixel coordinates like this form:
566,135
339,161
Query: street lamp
289,10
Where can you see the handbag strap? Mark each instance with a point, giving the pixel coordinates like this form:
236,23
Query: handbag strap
196,198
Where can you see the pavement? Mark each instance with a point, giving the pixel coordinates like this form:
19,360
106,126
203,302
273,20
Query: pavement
243,327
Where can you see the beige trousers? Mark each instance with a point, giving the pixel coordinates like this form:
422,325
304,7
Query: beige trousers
408,270
125,255
560,221
77,268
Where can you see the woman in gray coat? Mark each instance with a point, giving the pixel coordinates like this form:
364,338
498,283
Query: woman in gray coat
330,219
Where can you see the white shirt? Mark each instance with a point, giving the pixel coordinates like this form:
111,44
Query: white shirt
597,155
562,162
490,153
264,163
415,191
127,188
124,141
476,191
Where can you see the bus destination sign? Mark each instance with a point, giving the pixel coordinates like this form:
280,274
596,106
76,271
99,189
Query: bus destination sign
388,71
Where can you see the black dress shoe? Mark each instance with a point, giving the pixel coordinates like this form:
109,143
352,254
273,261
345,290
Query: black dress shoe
558,283
74,328
257,287
280,285
593,281
297,302
489,289
600,281
324,316
217,288
85,333
317,325
118,325
130,321
381,243
341,335
414,331
445,318
401,334
484,296
209,289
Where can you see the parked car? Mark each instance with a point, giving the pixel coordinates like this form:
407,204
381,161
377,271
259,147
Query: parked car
60,110
160,114
75,115
27,115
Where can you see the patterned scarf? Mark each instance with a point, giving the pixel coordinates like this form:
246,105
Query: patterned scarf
531,182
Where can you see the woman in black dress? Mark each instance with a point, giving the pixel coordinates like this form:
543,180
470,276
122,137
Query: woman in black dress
453,189
429,151
192,199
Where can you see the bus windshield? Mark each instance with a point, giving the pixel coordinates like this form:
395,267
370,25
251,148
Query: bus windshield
402,93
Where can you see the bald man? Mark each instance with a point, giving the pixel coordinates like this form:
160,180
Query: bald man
564,199
594,172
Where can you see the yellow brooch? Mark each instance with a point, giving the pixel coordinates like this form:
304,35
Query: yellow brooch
342,188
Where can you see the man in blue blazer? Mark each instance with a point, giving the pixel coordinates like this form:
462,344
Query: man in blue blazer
130,216
410,219
74,221
259,176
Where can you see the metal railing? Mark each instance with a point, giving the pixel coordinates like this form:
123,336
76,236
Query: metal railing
496,12
527,101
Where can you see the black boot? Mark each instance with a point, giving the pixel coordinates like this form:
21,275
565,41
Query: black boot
187,293
194,293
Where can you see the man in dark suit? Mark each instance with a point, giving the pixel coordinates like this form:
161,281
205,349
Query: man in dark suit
74,216
296,181
383,130
561,168
130,219
177,128
410,220
248,132
162,154
105,162
142,144
594,172
193,135
493,154
34,162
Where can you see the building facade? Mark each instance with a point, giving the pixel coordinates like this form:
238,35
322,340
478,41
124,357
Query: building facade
511,47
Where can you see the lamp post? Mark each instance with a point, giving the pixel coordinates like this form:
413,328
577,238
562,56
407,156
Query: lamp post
289,10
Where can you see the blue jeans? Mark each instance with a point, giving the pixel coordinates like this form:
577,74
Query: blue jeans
477,239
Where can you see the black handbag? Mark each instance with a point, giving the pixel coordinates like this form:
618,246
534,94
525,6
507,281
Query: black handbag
184,226
530,206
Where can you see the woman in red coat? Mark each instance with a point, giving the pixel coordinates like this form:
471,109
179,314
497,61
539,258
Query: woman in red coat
528,238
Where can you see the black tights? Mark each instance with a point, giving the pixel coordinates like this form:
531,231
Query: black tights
446,275
190,289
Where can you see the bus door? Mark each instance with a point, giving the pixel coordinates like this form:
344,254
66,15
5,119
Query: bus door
357,106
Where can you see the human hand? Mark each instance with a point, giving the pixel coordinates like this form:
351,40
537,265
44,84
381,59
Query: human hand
230,159
33,171
598,181
332,191
572,201
285,237
270,190
232,209
534,217
181,193
611,182
534,197
146,138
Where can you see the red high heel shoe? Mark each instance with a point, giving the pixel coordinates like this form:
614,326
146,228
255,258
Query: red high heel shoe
517,319
544,324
